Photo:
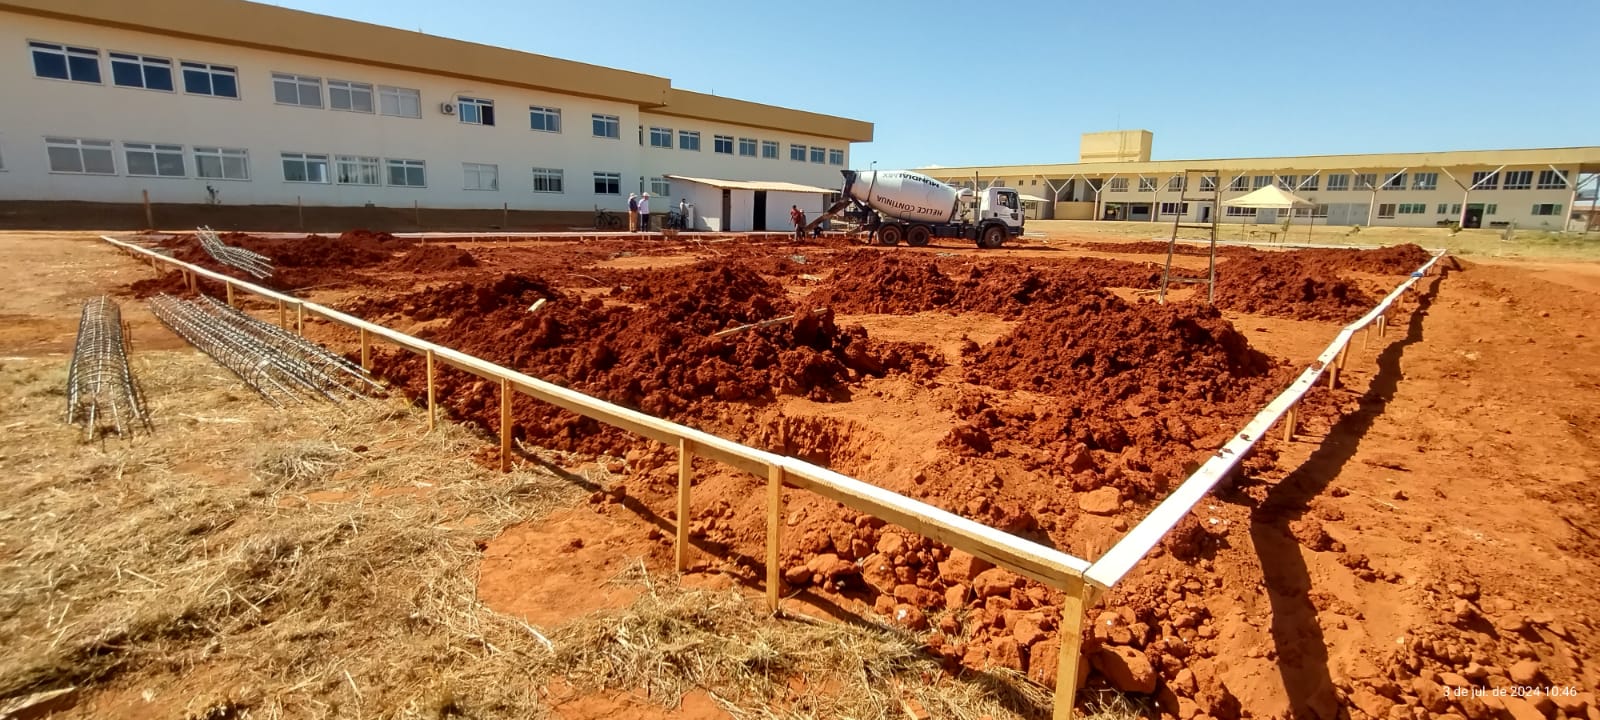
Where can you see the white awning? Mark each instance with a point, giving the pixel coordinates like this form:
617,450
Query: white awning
1269,196
768,185
1032,198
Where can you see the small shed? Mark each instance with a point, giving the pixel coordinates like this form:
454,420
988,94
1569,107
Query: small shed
748,205
1033,206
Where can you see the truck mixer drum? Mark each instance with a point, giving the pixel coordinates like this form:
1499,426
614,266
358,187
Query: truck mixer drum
917,208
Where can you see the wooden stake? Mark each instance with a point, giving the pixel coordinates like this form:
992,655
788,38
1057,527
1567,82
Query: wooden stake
283,317
1333,376
505,215
149,217
685,481
230,294
300,211
1288,424
431,412
366,352
774,532
416,207
1070,636
300,319
505,425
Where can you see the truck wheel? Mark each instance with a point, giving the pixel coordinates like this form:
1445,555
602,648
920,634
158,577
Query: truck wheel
891,235
918,236
992,237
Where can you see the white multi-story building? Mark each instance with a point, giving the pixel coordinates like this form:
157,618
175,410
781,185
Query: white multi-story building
1117,181
223,101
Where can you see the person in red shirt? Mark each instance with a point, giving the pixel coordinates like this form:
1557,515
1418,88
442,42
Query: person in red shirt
797,217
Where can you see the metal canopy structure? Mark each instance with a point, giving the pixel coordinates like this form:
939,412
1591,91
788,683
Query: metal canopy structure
1269,197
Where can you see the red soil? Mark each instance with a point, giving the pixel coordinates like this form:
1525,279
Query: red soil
435,258
1289,285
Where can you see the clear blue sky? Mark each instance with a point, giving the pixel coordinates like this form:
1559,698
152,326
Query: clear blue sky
1326,77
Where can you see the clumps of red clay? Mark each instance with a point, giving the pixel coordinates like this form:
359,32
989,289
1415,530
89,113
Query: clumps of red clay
902,283
1393,260
314,260
435,258
1290,285
661,358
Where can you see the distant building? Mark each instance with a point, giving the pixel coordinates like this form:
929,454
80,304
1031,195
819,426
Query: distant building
1117,181
200,101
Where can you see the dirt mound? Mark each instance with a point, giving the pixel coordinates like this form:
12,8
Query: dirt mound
460,299
1290,285
1153,247
903,283
435,258
1393,260
314,260
660,358
709,295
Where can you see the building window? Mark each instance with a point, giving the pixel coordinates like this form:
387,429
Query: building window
544,119
797,153
1261,181
301,90
152,160
659,187
1172,208
408,173
1547,209
1147,184
1425,181
747,147
1490,209
222,163
1307,183
1208,183
661,137
1396,181
1442,209
352,96
355,170
1320,211
480,176
1287,181
689,140
1177,183
1518,180
76,155
208,79
1241,212
769,149
1413,208
304,167
1386,211
1338,182
138,71
607,183
1367,181
547,180
819,155
836,157
1485,180
64,62
1239,184
399,102
1455,209
722,144
1552,180
475,111
1117,184
606,126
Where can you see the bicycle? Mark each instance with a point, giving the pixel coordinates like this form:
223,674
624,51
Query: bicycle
606,220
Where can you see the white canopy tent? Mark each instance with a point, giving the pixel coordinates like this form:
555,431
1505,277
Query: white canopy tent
1271,197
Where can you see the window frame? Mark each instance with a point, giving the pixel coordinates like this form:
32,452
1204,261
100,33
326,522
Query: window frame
1308,183
143,63
366,169
1208,183
1516,180
1231,211
1386,214
1147,184
660,187
67,53
1162,208
771,145
400,95
1551,180
1554,209
1395,181
1116,184
211,71
353,88
748,143
300,83
1341,186
1365,181
684,136
612,123
305,159
1424,181
718,142
836,157
475,170
819,155
1492,176
405,165
156,151
797,153
551,116
79,145
607,177
221,155
661,137
1239,183
482,111
545,175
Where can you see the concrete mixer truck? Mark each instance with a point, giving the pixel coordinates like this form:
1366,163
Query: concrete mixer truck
917,208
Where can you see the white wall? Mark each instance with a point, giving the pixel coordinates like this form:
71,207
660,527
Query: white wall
37,107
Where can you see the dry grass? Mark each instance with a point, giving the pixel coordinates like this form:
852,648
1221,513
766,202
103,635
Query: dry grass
1526,243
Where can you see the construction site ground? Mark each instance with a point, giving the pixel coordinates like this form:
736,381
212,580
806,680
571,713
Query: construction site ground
1430,530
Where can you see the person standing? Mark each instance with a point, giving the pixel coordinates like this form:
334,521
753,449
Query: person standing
644,212
633,212
683,214
798,217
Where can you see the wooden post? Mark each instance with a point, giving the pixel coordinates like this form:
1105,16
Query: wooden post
685,481
774,533
505,215
1070,637
300,212
230,293
431,412
1288,424
1333,375
283,317
366,352
505,425
149,217
300,319
1344,352
416,207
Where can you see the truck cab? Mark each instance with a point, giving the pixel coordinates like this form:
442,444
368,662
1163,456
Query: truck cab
1003,204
